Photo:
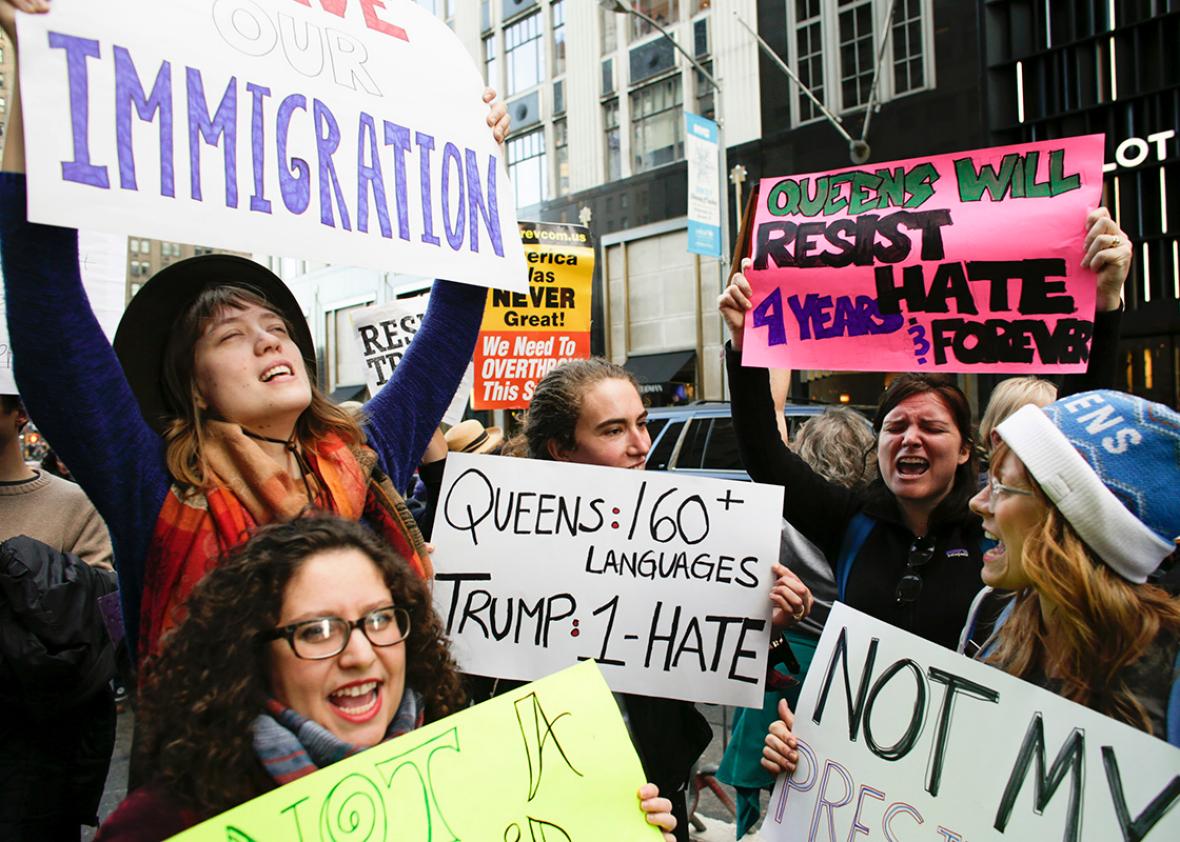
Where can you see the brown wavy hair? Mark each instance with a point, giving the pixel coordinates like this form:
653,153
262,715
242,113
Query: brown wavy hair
184,435
1100,623
203,691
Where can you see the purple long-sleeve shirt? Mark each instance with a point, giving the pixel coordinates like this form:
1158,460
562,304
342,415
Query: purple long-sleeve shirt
74,388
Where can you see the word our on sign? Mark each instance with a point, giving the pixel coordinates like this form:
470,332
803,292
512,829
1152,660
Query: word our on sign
525,335
383,334
547,762
967,262
268,126
663,580
902,739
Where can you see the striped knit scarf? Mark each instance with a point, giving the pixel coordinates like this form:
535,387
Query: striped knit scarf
291,746
247,489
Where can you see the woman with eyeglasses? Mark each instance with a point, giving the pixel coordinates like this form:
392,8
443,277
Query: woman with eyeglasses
906,550
310,642
1081,499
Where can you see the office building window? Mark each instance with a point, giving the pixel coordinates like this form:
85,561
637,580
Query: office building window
809,49
839,40
704,92
908,72
561,152
663,12
657,124
614,151
522,53
491,66
527,168
857,56
557,13
608,31
139,268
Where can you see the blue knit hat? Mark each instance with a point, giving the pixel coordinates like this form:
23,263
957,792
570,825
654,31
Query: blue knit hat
1110,462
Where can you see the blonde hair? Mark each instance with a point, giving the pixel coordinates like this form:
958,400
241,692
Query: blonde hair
184,434
839,445
1008,396
1099,625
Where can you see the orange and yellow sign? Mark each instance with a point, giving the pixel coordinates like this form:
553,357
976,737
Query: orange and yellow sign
524,335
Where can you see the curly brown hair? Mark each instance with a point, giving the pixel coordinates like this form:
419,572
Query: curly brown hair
203,691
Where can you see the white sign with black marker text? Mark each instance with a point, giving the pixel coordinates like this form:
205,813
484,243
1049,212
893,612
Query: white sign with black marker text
902,739
383,334
664,579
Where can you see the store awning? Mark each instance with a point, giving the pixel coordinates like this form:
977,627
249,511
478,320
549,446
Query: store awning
348,393
659,368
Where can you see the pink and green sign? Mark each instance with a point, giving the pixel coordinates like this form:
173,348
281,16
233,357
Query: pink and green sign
967,262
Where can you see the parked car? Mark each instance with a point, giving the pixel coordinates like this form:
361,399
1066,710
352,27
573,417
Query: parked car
698,438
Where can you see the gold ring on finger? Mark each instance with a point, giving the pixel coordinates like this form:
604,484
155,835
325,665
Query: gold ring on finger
1115,242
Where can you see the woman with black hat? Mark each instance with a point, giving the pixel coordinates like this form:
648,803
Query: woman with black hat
205,421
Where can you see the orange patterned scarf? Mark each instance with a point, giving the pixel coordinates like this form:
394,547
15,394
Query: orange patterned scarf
247,489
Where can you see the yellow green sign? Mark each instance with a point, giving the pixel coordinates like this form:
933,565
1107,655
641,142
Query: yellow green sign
548,762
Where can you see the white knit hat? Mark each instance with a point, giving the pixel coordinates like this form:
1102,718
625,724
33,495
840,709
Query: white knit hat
1110,462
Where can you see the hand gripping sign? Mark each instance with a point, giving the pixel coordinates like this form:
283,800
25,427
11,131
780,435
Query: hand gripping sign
900,738
968,262
350,131
663,579
547,762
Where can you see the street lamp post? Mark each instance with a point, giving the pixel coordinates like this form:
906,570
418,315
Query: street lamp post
625,8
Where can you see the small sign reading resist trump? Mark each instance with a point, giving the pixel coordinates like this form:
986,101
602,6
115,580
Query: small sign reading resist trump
663,579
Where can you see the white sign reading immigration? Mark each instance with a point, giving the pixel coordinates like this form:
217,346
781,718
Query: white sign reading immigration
663,579
901,739
350,131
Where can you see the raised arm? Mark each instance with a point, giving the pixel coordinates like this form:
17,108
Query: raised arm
67,372
1108,253
817,508
405,413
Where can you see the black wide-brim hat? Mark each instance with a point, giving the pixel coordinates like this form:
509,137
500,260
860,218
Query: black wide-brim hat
142,336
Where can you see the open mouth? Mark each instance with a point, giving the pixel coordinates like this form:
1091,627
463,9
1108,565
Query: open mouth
995,552
912,466
357,702
274,371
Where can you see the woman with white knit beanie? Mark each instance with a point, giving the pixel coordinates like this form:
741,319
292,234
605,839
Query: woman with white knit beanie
1083,499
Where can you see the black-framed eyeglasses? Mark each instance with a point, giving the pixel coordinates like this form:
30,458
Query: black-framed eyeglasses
909,586
327,637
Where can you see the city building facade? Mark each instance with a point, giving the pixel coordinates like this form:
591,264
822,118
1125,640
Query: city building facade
1054,69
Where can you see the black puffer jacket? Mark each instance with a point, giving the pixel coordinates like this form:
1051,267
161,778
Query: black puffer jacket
57,718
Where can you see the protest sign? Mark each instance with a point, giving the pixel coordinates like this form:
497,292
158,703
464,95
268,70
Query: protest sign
663,579
383,333
968,262
524,335
902,739
701,141
547,762
102,262
348,132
